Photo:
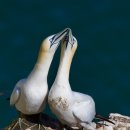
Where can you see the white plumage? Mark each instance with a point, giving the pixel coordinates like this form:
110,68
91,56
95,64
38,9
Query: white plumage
72,108
29,95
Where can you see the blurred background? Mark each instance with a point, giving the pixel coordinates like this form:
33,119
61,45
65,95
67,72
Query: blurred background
101,66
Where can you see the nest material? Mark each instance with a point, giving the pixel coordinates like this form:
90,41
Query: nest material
34,122
47,123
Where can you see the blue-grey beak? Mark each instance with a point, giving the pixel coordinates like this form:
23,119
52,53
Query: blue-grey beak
59,36
69,39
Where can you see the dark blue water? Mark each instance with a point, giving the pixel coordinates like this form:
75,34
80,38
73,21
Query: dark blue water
101,66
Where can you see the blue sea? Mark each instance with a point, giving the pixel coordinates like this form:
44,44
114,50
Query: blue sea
101,65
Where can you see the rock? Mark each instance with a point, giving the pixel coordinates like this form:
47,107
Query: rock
121,122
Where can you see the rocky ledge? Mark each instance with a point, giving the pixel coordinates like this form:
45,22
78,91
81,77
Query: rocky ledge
45,122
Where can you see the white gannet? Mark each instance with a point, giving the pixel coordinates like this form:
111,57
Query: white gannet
74,109
29,95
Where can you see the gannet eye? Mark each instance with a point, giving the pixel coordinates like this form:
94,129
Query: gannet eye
74,40
74,43
66,38
70,41
52,41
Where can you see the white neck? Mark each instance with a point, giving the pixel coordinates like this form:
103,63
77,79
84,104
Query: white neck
40,71
65,64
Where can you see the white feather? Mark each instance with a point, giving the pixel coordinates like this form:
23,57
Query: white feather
71,108
16,92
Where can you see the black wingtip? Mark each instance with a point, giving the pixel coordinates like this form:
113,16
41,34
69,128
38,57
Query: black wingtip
103,118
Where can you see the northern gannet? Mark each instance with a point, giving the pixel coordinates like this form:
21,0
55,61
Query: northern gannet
29,95
74,109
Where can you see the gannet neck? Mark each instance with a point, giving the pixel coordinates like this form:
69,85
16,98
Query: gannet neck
42,65
64,68
65,62
47,51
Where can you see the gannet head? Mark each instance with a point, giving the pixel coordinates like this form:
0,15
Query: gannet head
51,43
74,44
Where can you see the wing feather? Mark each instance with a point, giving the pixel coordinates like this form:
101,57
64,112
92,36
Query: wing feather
84,108
16,92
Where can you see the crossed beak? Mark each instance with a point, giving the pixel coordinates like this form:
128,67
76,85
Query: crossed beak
59,36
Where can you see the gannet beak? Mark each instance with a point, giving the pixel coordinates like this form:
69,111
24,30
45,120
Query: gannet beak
69,39
59,36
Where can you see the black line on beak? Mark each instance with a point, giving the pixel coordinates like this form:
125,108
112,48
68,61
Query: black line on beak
52,39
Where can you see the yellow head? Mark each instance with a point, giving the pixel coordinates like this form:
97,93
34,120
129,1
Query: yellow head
51,43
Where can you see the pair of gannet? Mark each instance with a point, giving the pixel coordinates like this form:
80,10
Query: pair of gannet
73,109
29,95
